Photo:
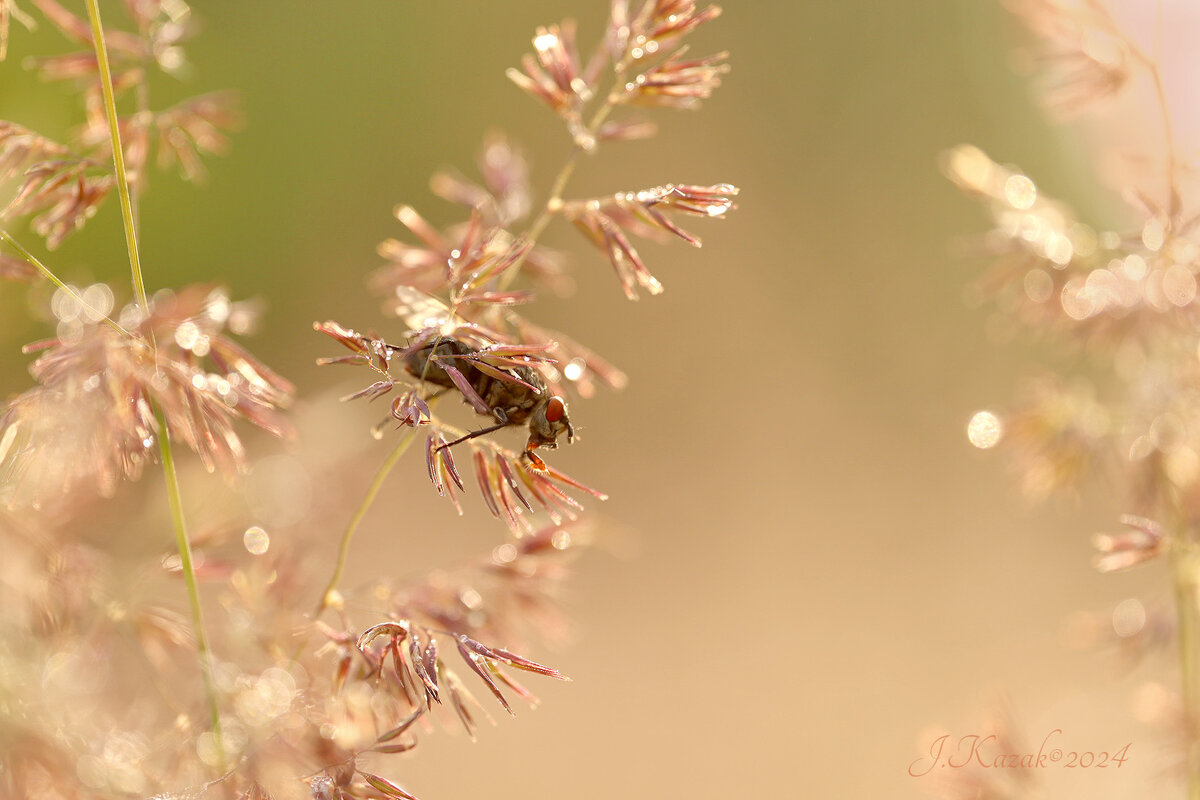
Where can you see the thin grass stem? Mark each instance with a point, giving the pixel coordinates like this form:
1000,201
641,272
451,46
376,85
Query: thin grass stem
552,206
329,596
114,131
184,545
1187,607
179,523
554,201
50,276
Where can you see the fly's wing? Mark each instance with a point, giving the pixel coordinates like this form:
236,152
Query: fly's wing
570,362
421,311
429,323
441,343
429,319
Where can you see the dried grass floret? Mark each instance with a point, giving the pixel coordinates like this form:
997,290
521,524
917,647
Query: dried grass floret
504,197
59,196
666,20
1086,55
16,269
9,11
608,222
91,418
1054,273
676,83
1144,540
552,73
65,184
21,147
423,679
162,26
1055,434
194,127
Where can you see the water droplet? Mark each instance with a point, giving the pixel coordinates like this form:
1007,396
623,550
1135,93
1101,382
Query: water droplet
131,316
573,371
1020,192
971,168
1153,235
63,304
1077,302
1039,286
1058,248
187,334
69,330
470,598
1179,285
545,41
1135,267
1128,618
322,787
98,302
985,430
218,308
171,59
1182,466
210,750
256,540
1083,238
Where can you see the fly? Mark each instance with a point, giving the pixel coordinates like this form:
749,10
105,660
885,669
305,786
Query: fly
512,395
500,381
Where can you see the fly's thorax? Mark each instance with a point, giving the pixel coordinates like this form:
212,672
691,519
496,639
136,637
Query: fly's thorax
518,401
422,362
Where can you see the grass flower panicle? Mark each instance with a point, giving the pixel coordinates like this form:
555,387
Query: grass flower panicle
288,703
470,269
64,184
91,418
1083,53
1123,302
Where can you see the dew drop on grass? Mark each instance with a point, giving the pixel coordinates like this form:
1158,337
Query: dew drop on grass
985,430
256,540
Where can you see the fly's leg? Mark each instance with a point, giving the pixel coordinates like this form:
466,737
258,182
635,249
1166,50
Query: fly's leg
501,422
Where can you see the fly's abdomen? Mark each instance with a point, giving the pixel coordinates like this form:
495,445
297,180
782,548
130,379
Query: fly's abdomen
514,397
423,362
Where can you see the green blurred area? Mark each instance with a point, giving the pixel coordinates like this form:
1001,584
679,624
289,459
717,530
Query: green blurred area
831,121
790,449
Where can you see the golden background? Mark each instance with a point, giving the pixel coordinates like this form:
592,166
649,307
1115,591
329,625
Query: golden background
804,568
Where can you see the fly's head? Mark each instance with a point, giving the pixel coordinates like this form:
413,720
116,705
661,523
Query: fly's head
547,422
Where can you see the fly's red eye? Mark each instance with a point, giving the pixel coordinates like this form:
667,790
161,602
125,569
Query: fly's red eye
556,409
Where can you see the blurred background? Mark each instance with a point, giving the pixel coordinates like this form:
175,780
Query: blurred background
804,573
